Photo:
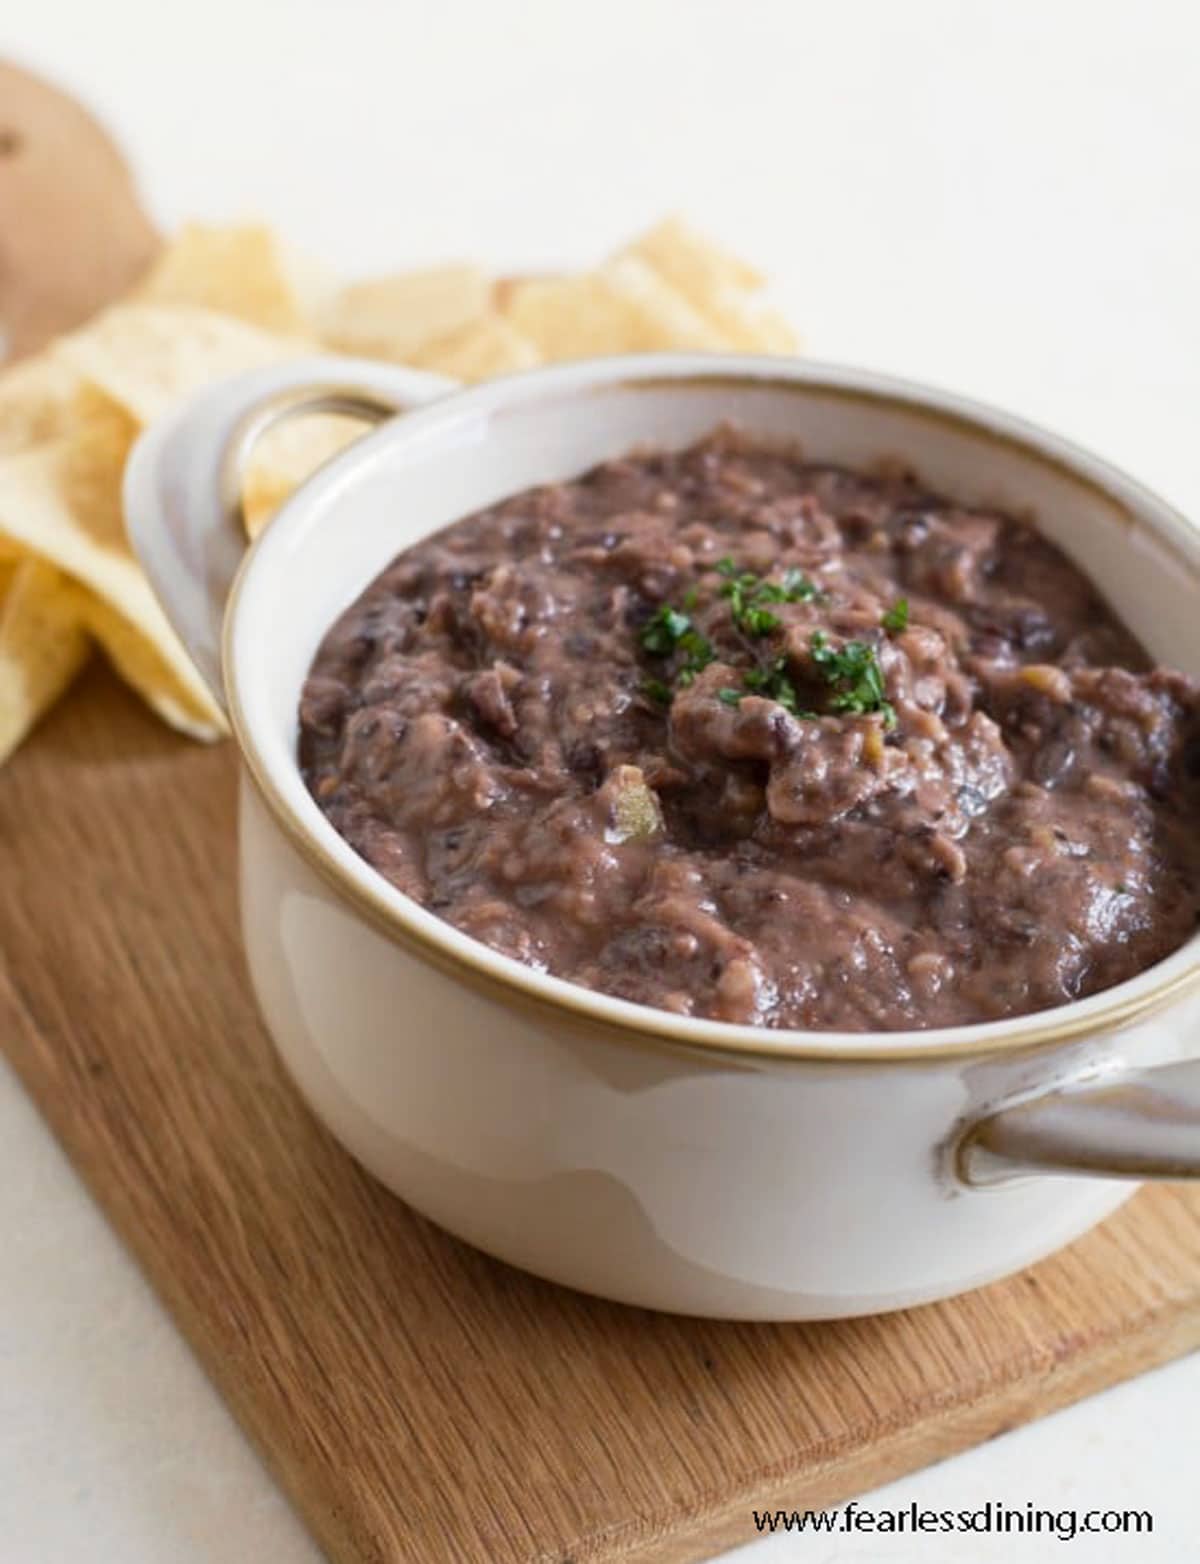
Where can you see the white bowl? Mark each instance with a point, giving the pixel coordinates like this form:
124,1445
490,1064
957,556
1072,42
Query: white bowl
658,1159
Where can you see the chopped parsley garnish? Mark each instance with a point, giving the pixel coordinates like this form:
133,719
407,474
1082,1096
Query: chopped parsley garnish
855,677
853,673
759,621
667,631
895,620
773,682
663,631
748,594
699,653
656,690
794,588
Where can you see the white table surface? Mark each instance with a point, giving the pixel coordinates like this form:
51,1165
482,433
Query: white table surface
1001,197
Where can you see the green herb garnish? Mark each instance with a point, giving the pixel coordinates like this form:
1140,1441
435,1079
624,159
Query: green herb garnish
666,632
759,621
895,620
726,567
663,631
856,678
670,632
794,588
774,682
698,651
748,593
656,690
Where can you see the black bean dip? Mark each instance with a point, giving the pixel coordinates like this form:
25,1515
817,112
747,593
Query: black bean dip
748,737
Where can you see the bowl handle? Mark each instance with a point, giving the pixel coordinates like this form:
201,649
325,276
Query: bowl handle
183,480
1140,1124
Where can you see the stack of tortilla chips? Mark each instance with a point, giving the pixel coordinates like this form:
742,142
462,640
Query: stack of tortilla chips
223,300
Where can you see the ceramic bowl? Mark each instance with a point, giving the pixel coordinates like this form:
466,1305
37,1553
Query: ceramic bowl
678,1163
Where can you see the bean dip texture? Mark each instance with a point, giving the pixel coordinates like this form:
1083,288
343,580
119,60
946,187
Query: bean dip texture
744,736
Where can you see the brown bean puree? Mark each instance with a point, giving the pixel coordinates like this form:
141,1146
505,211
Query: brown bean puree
744,736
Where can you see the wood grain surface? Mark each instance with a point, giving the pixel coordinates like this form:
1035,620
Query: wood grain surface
419,1402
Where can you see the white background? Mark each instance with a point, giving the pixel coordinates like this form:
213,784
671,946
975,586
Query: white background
1001,197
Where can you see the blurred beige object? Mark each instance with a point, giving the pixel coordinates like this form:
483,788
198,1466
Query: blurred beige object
72,232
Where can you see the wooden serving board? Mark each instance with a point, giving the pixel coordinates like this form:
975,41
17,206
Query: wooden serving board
420,1402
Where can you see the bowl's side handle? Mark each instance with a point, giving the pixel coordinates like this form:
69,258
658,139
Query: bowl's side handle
1141,1124
183,480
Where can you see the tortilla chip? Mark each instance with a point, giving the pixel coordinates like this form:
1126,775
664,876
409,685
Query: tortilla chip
244,271
746,324
138,360
42,646
61,503
668,318
287,455
395,317
262,495
146,357
489,347
716,284
688,261
503,288
153,672
623,308
36,402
